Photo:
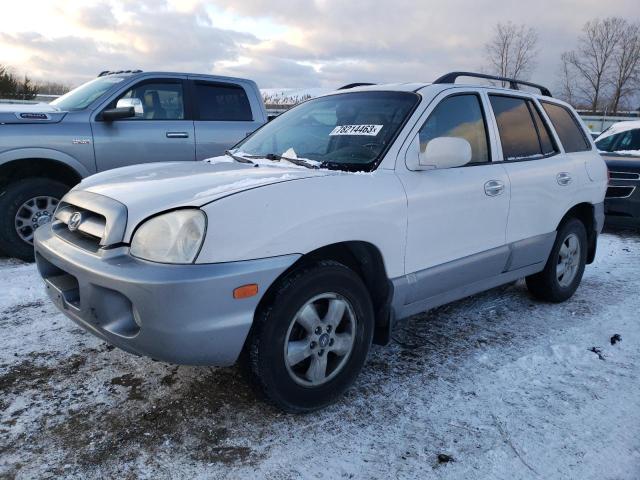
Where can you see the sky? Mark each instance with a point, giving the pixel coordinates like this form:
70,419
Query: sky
284,43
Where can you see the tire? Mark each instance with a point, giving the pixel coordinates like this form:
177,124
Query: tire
12,198
551,285
294,386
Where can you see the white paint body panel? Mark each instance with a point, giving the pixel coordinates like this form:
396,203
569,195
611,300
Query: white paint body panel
417,220
301,216
149,188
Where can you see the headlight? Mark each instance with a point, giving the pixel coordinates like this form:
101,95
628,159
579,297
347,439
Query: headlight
173,237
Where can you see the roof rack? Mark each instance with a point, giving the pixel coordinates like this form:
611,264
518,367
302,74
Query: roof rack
354,85
104,73
513,83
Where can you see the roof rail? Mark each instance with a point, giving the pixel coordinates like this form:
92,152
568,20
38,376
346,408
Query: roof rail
107,72
513,83
354,85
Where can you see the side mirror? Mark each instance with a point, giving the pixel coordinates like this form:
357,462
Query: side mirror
117,113
136,103
445,152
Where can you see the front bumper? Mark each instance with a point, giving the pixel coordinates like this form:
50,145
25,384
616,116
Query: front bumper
623,211
183,314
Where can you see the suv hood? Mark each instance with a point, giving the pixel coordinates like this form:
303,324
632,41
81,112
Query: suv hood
29,113
150,188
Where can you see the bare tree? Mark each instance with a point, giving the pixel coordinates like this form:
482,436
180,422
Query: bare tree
626,64
512,50
593,59
567,85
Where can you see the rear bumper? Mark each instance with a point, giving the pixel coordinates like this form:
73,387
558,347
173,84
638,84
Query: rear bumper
183,314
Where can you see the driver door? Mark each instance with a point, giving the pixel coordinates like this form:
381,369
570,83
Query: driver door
457,217
160,131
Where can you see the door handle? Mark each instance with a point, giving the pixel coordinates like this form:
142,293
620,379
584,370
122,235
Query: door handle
493,188
177,135
564,178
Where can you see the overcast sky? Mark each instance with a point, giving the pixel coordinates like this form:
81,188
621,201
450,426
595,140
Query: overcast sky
280,43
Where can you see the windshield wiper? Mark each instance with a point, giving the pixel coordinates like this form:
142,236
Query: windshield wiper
237,158
296,161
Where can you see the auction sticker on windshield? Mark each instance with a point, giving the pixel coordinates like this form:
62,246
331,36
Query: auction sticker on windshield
369,130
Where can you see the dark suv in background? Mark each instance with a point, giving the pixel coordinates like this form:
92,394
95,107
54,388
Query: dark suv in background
620,147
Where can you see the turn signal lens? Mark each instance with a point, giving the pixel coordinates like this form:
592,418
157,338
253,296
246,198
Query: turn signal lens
245,291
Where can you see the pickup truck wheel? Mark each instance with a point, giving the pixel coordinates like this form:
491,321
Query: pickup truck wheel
26,205
563,272
310,341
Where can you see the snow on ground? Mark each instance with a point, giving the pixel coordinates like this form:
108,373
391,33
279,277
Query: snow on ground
505,385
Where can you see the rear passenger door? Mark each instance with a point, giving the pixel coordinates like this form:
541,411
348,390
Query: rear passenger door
222,116
542,177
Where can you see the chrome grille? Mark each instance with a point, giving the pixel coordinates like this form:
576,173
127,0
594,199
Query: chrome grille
87,234
615,191
89,220
624,176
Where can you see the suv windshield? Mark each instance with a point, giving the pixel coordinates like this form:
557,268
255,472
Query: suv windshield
347,130
81,97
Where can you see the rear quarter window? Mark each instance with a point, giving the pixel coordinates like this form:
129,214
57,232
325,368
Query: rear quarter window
567,127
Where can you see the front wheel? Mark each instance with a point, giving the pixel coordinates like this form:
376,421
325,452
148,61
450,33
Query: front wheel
26,205
563,272
311,338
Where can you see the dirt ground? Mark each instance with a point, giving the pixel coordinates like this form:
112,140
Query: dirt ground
494,386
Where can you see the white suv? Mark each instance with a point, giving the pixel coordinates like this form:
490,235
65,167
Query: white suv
315,234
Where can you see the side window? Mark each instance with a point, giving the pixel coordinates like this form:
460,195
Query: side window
567,128
629,140
546,143
222,102
607,144
155,101
518,133
458,116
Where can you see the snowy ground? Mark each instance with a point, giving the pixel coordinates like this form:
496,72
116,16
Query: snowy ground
505,385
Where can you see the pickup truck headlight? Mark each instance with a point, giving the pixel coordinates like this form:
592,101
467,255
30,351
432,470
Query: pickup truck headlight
173,237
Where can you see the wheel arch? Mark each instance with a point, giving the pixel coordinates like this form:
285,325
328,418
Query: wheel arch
46,163
366,260
585,212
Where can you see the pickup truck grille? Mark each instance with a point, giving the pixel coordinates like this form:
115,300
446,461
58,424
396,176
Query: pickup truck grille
90,221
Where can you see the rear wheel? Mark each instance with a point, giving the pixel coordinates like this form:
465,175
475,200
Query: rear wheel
564,269
26,205
311,339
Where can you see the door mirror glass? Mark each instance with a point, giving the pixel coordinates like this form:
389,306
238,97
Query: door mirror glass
136,103
446,152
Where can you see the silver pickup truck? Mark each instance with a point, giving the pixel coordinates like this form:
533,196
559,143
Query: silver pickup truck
117,119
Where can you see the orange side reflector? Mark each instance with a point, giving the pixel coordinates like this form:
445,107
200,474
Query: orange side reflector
246,291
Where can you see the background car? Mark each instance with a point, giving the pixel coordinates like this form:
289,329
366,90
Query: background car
620,147
118,119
